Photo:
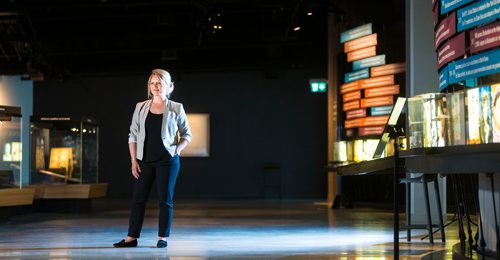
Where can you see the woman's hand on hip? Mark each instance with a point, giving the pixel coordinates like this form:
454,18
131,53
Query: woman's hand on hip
136,169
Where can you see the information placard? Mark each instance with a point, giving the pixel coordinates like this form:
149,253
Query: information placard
349,87
393,68
355,33
451,50
475,66
377,82
382,110
357,113
382,91
485,37
445,30
361,53
449,5
369,62
443,78
478,13
355,75
360,43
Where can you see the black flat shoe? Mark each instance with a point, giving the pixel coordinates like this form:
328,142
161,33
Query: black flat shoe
161,244
126,244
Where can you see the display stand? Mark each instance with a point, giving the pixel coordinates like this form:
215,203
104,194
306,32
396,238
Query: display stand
64,158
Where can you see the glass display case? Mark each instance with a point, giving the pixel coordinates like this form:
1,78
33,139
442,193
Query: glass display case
428,121
64,150
10,147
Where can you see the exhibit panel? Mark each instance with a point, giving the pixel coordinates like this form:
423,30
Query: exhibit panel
367,96
64,152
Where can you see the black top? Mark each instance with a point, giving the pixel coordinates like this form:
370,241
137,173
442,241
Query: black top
154,149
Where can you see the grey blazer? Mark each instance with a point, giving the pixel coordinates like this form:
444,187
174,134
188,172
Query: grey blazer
174,126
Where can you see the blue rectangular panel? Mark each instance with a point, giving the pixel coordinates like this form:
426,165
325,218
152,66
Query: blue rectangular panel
355,33
443,78
475,66
380,111
449,5
368,62
478,13
355,75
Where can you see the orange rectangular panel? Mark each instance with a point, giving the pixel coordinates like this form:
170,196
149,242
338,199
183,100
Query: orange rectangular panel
361,53
377,82
350,105
351,96
352,123
348,87
377,101
375,120
388,69
382,91
360,43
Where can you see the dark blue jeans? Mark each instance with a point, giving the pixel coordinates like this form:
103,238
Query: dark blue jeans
165,173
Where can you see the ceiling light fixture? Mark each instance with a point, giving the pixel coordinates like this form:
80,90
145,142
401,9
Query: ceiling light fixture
296,28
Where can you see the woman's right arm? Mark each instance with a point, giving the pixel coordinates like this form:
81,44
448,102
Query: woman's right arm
132,142
136,169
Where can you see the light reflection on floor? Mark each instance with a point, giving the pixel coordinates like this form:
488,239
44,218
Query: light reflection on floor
257,230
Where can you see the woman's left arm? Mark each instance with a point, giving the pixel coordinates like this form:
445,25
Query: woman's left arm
184,131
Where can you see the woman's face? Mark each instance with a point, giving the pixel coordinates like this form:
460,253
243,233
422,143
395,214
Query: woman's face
156,87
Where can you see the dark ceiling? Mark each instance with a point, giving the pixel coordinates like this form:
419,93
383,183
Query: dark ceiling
61,38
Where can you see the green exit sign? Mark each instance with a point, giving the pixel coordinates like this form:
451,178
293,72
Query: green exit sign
318,85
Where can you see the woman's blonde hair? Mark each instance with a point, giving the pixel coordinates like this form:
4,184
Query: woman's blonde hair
165,79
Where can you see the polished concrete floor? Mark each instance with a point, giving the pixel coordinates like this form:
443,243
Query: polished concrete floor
217,230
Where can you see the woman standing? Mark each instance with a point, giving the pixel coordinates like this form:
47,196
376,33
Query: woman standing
154,147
